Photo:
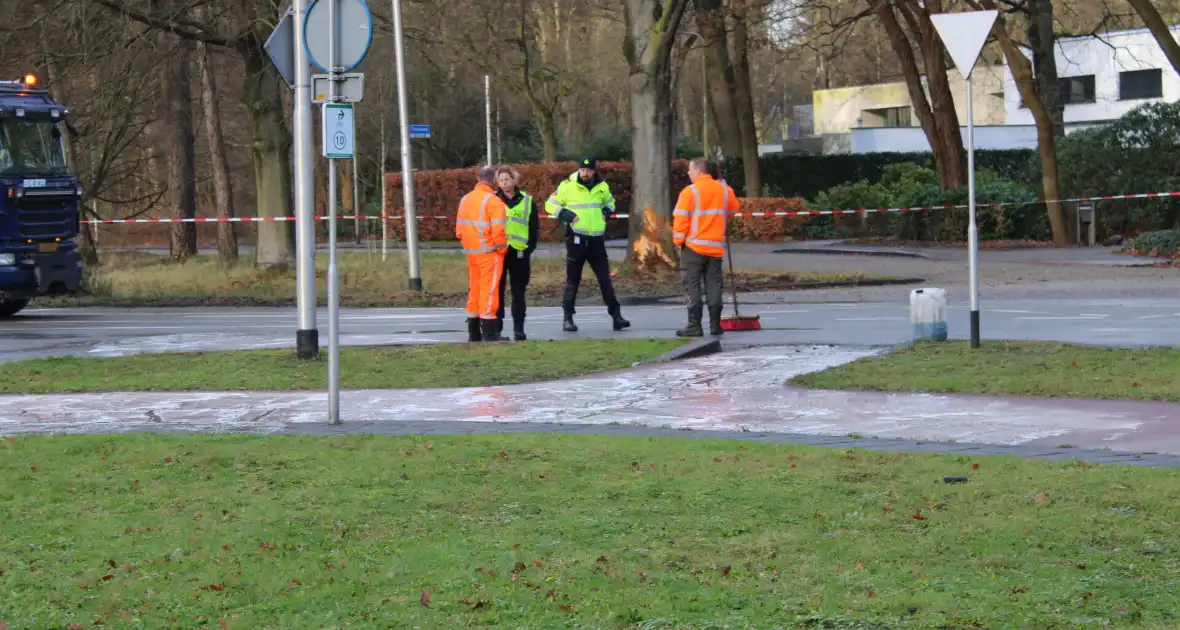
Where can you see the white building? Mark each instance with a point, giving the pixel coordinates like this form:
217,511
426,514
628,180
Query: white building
1102,77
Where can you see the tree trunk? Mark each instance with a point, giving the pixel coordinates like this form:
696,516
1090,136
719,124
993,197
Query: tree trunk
547,125
271,152
1022,73
710,21
650,33
1043,43
936,115
744,96
1159,29
223,198
176,90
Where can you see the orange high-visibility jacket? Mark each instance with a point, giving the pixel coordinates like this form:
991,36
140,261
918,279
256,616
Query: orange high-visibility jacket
700,216
481,221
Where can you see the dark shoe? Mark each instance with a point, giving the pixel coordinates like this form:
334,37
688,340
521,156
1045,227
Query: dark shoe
488,328
499,327
715,321
693,329
474,334
568,324
518,330
618,322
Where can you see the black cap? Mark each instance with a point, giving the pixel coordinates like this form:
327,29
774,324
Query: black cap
588,162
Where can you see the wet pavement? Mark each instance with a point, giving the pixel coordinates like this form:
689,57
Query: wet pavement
118,332
740,391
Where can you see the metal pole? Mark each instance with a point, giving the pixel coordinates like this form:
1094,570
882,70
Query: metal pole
407,158
307,336
356,189
333,272
705,104
972,228
384,192
487,97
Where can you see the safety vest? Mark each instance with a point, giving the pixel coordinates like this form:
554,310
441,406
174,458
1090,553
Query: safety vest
586,204
518,223
699,219
481,220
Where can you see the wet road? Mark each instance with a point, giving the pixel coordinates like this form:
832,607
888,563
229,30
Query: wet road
741,390
115,332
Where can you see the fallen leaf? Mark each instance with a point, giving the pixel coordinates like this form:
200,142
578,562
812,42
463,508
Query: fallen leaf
198,516
1042,498
33,468
516,546
860,565
538,564
168,460
267,546
213,587
792,466
425,599
1020,589
889,509
112,564
975,466
519,567
429,447
504,454
108,577
1135,384
725,572
602,560
872,594
479,569
225,547
918,516
223,624
565,607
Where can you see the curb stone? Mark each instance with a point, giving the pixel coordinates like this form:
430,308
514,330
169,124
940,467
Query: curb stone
698,348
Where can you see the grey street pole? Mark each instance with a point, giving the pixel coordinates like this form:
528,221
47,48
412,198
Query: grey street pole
972,228
333,272
487,98
407,164
307,336
356,193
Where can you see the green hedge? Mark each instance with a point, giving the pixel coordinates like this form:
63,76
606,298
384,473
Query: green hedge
797,175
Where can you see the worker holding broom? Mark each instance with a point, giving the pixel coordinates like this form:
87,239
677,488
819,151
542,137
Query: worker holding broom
699,226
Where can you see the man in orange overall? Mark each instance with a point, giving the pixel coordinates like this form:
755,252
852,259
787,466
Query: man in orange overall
698,226
480,228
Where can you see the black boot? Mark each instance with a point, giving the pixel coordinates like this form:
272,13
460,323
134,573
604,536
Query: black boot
473,332
617,321
568,324
715,321
518,330
488,328
693,329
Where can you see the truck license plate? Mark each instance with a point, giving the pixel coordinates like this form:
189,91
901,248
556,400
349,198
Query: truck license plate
47,248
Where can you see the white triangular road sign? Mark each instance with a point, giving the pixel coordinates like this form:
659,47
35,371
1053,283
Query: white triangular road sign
964,35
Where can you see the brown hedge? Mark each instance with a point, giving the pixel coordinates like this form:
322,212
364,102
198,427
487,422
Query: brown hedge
438,193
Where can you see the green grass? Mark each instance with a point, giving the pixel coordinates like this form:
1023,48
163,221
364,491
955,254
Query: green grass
1013,369
365,281
549,531
361,367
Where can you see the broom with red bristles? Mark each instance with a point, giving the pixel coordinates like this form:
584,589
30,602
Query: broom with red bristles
738,322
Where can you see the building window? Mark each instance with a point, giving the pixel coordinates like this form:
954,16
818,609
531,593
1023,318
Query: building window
1139,84
886,117
1076,90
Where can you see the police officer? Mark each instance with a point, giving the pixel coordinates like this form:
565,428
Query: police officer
584,203
699,223
522,228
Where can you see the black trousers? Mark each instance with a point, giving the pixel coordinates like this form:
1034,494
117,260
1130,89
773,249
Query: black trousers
695,268
517,271
580,250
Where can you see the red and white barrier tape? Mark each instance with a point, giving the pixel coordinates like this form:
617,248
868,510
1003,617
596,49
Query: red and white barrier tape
624,216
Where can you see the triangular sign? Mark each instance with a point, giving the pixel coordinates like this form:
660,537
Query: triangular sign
964,35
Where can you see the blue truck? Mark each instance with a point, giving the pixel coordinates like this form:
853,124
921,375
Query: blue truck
39,199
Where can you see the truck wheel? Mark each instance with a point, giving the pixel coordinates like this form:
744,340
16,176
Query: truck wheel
10,306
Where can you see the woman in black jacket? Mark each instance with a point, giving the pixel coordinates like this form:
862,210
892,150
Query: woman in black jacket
522,228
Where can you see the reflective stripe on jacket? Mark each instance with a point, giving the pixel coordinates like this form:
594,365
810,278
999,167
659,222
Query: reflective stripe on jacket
586,204
481,220
518,222
699,220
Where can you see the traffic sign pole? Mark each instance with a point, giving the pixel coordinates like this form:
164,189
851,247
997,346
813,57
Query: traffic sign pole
307,336
333,271
407,157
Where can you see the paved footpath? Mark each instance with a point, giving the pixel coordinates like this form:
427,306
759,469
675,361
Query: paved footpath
739,393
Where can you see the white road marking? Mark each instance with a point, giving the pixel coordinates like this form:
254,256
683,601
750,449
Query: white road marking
873,319
1062,318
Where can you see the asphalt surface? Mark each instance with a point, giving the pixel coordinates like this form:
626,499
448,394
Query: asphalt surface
116,332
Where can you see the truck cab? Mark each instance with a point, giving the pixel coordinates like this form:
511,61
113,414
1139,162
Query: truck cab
39,199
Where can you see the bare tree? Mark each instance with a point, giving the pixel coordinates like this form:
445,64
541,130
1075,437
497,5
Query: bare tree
650,35
178,136
223,198
1159,29
739,12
